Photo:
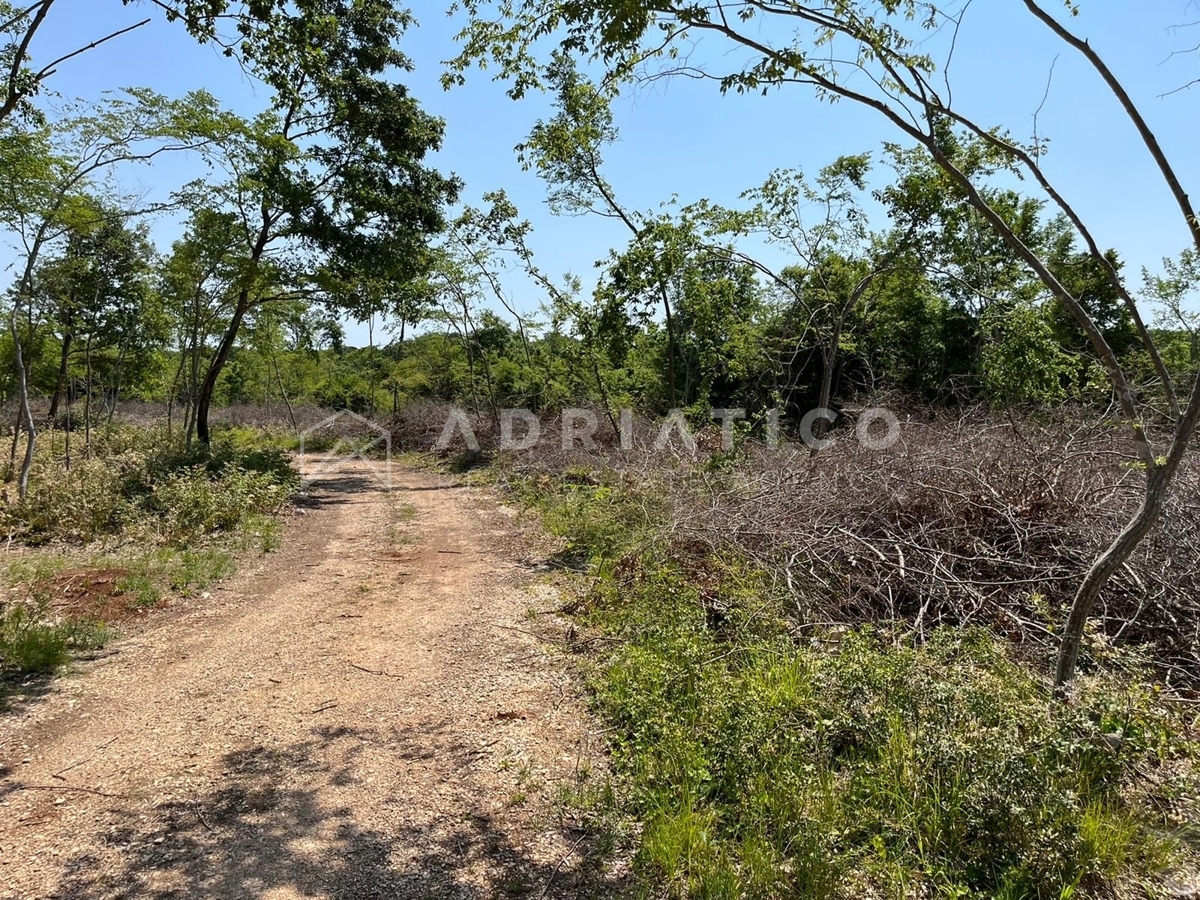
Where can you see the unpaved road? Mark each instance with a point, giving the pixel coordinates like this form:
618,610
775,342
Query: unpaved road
366,713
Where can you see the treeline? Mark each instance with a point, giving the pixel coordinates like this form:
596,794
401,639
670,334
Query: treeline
873,273
693,313
320,199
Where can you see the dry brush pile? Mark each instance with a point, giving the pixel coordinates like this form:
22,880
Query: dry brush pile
969,520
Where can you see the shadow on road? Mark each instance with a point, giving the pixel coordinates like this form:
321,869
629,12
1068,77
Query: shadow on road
262,833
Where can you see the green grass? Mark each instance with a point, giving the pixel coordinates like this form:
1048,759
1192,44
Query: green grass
848,764
31,645
141,589
173,519
191,571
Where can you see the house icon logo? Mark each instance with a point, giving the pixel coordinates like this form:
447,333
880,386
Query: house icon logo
346,437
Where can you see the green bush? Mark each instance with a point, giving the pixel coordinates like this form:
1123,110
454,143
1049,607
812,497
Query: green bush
765,768
597,521
193,503
159,491
769,763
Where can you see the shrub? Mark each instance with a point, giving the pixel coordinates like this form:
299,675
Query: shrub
192,503
862,766
160,491
772,759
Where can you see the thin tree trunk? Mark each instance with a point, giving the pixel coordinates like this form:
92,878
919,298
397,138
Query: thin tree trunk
1158,483
283,394
67,433
87,398
26,414
608,410
63,364
670,347
193,388
371,360
11,471
829,360
173,391
116,391
224,351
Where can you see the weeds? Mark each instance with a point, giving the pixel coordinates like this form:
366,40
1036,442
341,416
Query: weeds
186,512
769,759
32,645
158,492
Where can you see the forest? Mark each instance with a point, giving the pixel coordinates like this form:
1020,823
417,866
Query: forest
963,665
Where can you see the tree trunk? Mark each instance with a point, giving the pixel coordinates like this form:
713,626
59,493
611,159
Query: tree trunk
283,393
193,388
25,413
1102,569
87,398
63,362
224,351
67,433
670,322
116,388
173,391
11,471
829,361
1158,482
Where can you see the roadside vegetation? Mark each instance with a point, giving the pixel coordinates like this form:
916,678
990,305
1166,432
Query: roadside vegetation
767,750
137,521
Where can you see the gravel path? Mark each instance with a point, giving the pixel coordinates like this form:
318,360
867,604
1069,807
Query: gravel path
367,713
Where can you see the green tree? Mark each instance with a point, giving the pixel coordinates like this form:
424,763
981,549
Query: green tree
886,63
50,170
567,152
98,290
329,186
199,283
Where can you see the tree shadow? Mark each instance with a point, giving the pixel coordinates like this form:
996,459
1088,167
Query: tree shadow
328,487
264,833
19,692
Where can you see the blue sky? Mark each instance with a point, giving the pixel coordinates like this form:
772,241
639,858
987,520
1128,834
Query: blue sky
683,138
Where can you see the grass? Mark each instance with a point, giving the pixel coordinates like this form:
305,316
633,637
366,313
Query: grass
163,519
31,645
760,760
400,531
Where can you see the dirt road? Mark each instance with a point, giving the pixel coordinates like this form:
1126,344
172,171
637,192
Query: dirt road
366,713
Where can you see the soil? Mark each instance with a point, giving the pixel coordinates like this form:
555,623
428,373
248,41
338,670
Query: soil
90,595
376,710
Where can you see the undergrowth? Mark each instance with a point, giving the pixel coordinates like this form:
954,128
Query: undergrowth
142,516
766,759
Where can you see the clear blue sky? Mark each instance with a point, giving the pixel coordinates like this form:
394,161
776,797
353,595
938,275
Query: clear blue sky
684,138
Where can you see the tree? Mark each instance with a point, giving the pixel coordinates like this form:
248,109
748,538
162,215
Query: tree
567,152
328,187
226,23
879,56
47,172
198,282
823,228
98,289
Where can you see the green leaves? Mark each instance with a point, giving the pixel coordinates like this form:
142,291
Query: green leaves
567,150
